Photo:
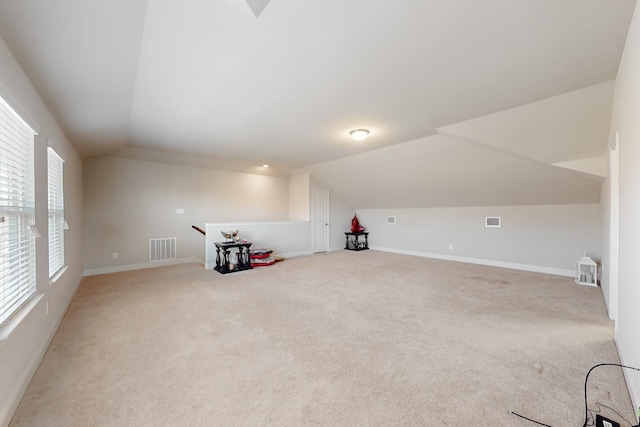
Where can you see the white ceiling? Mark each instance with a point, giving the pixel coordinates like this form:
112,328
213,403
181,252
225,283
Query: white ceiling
574,125
208,80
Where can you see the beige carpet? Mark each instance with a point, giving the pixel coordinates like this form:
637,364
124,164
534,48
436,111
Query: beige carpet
338,339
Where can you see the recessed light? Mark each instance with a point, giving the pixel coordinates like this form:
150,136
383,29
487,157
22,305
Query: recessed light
265,166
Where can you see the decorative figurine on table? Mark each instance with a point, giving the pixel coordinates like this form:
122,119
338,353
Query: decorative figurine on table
230,236
355,225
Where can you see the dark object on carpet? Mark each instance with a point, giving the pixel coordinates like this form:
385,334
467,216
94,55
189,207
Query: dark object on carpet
605,422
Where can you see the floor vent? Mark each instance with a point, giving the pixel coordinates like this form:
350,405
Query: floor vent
162,249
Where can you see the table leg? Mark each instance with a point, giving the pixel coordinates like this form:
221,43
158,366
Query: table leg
226,259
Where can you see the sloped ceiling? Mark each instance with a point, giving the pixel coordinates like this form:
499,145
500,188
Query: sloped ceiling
566,127
209,79
442,171
82,57
483,161
468,102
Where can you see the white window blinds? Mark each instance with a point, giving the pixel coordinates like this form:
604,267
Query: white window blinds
17,209
57,223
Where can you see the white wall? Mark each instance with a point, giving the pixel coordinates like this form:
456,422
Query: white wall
626,120
22,351
127,202
539,238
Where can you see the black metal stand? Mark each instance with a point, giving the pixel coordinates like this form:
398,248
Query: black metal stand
355,242
223,259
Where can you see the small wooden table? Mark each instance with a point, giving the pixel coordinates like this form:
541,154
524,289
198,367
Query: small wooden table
355,243
223,260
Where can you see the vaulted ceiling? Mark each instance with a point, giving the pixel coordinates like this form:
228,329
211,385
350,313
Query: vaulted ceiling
209,81
209,78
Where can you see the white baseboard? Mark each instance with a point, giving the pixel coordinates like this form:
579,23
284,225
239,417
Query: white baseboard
141,266
492,263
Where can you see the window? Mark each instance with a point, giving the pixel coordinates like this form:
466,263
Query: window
17,212
57,224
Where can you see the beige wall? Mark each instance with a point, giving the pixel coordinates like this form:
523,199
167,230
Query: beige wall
299,196
22,351
127,202
626,121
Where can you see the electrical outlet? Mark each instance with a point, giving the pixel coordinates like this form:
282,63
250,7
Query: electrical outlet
114,255
605,422
47,307
450,247
179,211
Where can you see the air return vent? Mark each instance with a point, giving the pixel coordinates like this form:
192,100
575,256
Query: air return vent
492,221
162,249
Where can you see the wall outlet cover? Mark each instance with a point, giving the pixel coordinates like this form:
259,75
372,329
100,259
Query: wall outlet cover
605,422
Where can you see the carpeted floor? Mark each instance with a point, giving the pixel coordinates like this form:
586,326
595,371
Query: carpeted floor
337,339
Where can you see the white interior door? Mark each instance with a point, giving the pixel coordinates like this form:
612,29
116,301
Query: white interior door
319,220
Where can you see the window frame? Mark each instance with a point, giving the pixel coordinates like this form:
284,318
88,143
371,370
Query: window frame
17,212
55,211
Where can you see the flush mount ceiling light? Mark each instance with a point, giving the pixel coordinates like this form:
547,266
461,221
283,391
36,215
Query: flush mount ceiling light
359,134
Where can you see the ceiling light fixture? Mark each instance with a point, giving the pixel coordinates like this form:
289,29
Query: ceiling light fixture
359,134
265,166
